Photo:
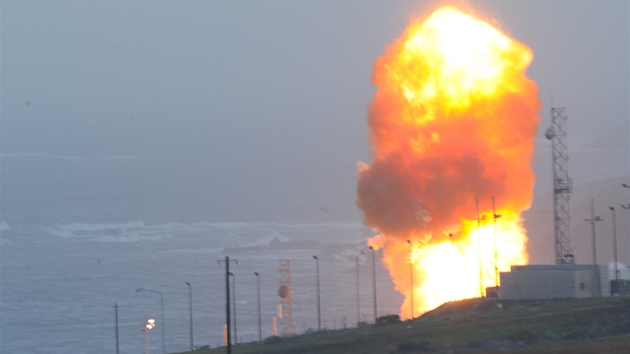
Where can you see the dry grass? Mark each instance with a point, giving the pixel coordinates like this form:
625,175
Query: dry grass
478,326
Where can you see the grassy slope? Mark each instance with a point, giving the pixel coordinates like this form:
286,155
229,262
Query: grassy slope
478,326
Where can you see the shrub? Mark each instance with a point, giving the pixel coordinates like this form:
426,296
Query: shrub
273,340
389,319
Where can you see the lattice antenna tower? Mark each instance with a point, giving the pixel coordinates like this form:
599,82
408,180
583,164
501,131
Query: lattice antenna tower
285,293
562,186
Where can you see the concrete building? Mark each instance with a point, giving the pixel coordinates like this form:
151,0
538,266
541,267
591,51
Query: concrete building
554,281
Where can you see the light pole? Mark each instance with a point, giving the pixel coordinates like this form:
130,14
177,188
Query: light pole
146,328
479,219
191,317
162,303
625,206
614,221
234,307
374,280
259,317
117,341
592,220
411,274
228,326
319,312
496,252
358,298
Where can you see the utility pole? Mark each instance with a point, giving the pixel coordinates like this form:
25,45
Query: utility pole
227,301
592,220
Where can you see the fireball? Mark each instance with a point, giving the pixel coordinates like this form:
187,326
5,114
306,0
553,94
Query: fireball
453,120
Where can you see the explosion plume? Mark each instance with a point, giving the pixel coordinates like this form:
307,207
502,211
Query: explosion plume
453,119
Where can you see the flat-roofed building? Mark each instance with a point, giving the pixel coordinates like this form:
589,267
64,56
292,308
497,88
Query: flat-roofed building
554,281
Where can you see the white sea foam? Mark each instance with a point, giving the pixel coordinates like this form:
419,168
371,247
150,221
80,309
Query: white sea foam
101,227
245,235
195,251
266,241
132,237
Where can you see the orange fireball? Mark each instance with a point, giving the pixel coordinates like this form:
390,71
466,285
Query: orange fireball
453,119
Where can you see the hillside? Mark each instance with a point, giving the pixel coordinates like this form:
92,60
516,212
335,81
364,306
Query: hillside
477,326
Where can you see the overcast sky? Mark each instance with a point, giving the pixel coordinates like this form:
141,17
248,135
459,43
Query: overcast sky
277,83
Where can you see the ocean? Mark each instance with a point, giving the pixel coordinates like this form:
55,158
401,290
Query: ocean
79,235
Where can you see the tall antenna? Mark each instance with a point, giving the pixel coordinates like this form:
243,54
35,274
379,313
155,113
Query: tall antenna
562,186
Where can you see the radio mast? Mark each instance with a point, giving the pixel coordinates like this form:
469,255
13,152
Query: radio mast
562,186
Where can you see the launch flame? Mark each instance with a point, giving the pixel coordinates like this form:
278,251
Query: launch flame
454,117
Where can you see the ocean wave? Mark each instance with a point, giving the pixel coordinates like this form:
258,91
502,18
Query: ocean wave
257,234
132,237
273,224
100,227
190,251
266,241
4,226
124,232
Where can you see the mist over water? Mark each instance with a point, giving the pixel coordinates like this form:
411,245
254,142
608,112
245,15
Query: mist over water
72,247
141,143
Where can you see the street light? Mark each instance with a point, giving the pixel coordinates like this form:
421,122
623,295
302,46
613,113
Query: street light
374,280
496,253
592,220
479,220
163,323
148,325
259,317
191,317
117,341
358,298
411,273
616,288
234,307
625,206
319,313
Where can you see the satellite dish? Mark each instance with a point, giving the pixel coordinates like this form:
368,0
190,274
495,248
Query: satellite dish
284,291
549,133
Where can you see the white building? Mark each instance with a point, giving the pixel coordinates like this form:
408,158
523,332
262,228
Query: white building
555,281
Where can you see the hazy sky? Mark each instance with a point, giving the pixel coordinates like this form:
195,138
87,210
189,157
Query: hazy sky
276,84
